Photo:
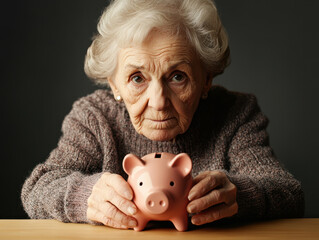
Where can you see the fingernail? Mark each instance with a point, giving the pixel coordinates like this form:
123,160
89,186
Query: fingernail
195,221
191,196
132,223
131,210
190,208
128,195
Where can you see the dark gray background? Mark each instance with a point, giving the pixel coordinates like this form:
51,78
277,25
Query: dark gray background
274,48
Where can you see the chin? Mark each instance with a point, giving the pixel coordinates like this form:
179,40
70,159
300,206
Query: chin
161,135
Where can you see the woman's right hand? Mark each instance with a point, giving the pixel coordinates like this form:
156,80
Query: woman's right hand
111,203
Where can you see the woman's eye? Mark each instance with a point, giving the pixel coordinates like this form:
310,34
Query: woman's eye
178,77
137,79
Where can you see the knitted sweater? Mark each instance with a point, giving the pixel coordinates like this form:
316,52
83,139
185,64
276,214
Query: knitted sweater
227,133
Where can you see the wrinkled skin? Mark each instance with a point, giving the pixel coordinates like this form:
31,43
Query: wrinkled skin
161,82
212,197
111,203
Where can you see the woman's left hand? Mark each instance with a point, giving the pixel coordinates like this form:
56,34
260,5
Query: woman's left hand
212,197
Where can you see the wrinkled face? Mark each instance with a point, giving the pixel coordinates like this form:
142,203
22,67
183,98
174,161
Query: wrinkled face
160,82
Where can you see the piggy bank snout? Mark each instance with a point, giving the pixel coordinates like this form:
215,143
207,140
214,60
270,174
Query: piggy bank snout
157,202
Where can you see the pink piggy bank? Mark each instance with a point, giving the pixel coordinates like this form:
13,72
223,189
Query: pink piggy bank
161,183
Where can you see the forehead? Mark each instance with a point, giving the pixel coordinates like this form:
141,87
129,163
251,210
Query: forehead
159,47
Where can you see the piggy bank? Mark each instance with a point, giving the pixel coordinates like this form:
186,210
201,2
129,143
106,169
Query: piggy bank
161,183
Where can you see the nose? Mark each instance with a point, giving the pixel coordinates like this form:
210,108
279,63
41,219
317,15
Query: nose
157,96
157,203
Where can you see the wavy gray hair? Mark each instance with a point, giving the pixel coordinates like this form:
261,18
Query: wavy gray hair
127,22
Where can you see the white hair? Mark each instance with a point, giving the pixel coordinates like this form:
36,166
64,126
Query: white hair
127,22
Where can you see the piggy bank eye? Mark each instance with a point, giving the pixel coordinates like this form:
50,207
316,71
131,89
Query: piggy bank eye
172,183
141,183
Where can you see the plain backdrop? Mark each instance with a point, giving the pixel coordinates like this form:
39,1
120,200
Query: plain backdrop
274,49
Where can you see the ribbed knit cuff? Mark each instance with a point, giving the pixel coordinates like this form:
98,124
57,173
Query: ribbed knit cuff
250,197
77,197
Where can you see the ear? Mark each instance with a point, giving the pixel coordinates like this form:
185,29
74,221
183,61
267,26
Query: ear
131,161
182,163
113,87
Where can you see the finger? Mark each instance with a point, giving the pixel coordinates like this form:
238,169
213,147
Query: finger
200,176
231,190
108,194
213,198
118,183
204,186
110,212
116,215
99,217
215,213
124,205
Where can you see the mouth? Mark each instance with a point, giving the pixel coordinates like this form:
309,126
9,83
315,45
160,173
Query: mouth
161,120
166,123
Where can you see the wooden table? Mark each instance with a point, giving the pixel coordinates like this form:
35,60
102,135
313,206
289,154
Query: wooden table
306,228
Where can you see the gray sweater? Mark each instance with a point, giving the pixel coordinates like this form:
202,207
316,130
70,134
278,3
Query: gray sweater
227,133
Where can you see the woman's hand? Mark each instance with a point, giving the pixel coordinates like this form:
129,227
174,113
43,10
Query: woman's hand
212,197
110,202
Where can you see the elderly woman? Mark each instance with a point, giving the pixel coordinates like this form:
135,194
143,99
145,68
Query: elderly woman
159,59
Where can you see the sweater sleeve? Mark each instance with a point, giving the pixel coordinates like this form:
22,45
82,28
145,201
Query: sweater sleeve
59,187
265,189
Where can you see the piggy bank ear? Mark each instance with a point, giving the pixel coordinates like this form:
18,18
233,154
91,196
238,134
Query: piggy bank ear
182,163
131,161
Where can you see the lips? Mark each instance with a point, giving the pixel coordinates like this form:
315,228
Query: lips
166,123
160,120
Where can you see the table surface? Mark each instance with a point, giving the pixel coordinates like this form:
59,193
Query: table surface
305,228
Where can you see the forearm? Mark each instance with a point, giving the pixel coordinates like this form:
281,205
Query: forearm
265,188
57,193
59,188
268,196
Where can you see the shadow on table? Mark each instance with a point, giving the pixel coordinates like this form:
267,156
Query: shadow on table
223,224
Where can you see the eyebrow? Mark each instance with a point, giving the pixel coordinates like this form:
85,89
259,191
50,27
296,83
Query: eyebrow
134,66
141,67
